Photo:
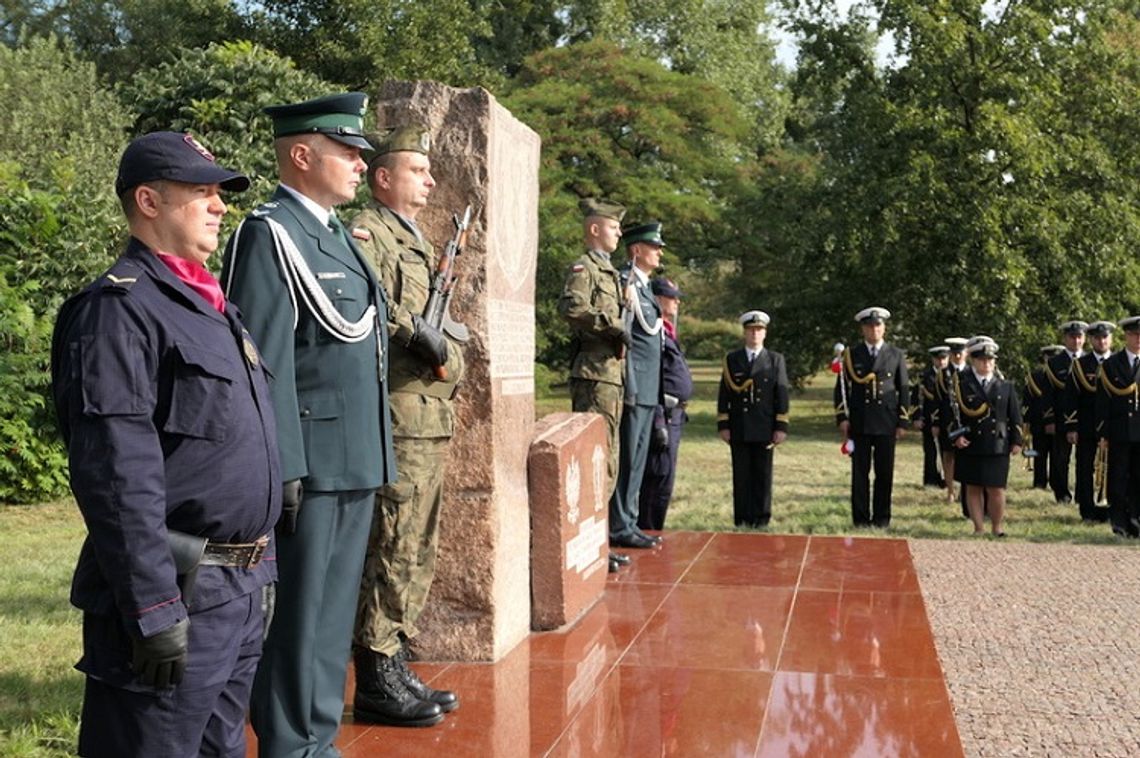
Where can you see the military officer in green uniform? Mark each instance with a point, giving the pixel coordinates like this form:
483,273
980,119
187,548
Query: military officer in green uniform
591,303
316,310
400,565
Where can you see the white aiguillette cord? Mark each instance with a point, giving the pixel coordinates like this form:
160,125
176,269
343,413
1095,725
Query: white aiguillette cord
634,304
300,278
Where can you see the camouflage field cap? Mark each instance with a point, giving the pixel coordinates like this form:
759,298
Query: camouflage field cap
412,138
591,206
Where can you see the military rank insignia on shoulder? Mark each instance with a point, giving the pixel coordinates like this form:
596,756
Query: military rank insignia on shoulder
265,209
120,278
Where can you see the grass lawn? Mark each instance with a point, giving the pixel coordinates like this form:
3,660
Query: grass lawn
40,692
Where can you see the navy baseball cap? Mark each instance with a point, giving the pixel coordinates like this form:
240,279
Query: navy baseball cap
665,287
175,157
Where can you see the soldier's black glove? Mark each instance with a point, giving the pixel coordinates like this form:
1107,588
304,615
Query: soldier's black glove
660,439
291,492
160,660
428,343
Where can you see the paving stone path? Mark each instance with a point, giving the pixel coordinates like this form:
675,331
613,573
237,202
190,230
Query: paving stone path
1040,644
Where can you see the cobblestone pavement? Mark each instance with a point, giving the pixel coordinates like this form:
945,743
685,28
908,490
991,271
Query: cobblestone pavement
1040,644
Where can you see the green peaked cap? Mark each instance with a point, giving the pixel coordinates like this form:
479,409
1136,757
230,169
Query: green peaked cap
338,117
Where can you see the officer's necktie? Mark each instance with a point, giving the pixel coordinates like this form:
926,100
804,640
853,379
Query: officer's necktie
874,352
338,228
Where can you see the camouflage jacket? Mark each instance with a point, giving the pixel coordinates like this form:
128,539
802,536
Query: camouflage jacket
591,303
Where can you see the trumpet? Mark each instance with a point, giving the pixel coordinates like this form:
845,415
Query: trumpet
1100,474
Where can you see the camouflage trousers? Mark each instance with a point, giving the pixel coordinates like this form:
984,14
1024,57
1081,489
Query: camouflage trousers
588,396
400,563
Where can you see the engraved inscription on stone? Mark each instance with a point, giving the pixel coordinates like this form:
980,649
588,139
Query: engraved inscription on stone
599,461
573,490
510,327
584,548
514,156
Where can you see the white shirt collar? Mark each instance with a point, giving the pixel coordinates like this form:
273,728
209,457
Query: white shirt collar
1102,357
874,347
321,214
641,275
1131,355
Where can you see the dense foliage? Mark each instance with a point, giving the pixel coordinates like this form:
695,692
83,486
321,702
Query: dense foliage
970,165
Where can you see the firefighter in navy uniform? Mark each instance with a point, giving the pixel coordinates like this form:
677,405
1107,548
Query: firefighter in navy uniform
870,410
1079,403
926,415
1057,371
1034,413
752,417
1118,430
164,406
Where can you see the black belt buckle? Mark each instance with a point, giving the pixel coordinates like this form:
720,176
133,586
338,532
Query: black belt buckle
257,551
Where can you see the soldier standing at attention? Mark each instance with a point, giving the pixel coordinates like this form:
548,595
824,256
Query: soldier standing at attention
642,389
669,418
1057,370
1035,418
870,411
314,306
752,417
946,421
1118,429
400,565
1079,403
927,414
163,404
591,302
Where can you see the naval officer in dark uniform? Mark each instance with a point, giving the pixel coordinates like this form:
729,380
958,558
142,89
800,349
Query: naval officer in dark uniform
1079,403
163,403
314,306
752,417
926,416
669,417
870,409
1057,370
991,415
1118,429
1033,410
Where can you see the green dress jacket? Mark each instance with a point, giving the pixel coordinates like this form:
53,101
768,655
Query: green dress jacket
334,427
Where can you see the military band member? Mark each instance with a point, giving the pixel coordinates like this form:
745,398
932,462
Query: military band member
752,417
669,418
1034,413
400,563
870,409
642,389
991,413
955,365
926,415
315,308
1079,403
1118,430
1057,370
591,302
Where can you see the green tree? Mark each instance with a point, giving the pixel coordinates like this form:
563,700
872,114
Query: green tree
363,42
218,93
982,182
59,225
666,145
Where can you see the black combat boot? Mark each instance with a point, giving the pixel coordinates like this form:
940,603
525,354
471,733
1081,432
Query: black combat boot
446,700
382,698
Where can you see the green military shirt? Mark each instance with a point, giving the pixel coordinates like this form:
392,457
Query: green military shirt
591,303
421,403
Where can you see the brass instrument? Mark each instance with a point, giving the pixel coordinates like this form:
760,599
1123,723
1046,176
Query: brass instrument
1100,474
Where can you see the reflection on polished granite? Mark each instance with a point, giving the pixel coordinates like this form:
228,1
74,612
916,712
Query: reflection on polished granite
711,645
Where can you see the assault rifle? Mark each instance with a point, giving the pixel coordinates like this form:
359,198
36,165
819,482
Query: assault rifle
437,313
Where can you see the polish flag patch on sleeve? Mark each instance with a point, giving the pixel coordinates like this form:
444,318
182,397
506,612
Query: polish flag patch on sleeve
577,268
360,233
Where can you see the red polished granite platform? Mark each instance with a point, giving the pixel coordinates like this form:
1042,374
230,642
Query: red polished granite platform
711,645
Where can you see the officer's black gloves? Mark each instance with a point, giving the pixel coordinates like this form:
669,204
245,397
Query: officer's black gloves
160,660
428,343
660,439
291,492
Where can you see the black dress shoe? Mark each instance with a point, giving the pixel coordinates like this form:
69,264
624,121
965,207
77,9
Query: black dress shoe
614,565
620,558
656,539
634,540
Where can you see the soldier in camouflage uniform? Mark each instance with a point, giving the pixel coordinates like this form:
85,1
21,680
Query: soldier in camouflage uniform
400,563
591,303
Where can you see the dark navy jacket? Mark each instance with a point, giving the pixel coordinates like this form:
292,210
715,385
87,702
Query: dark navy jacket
876,399
1118,401
164,406
992,415
752,402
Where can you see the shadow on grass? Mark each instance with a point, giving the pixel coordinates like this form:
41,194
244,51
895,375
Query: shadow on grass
39,716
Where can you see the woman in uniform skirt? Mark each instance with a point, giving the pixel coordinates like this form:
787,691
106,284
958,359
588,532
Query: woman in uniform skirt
990,434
